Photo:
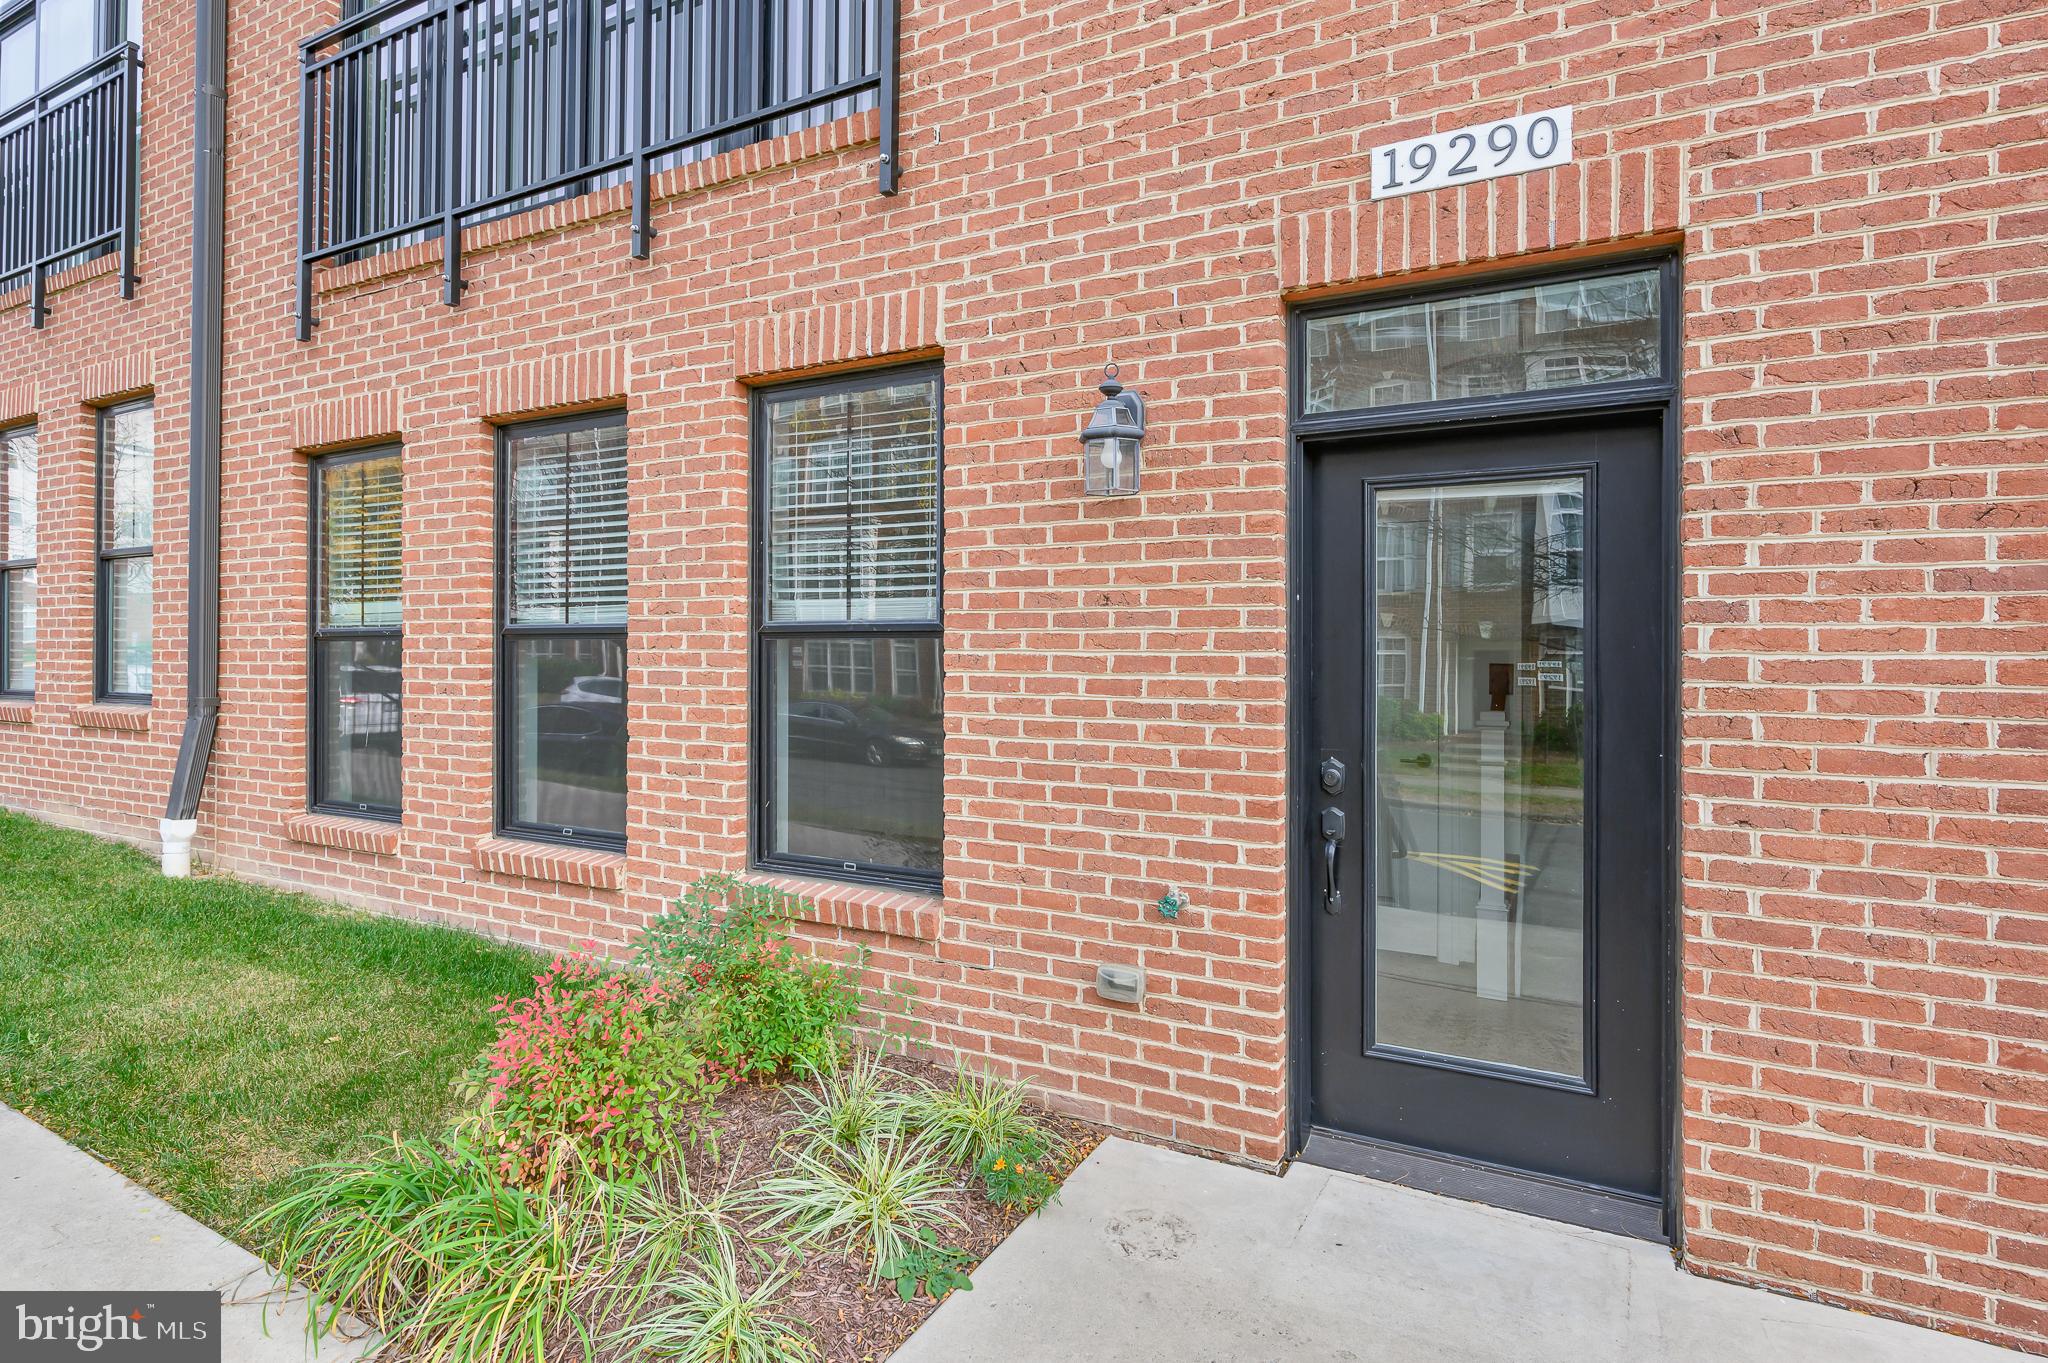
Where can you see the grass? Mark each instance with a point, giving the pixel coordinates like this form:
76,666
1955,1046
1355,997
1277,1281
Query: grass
206,1037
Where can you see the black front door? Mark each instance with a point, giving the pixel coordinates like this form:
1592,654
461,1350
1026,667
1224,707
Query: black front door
1486,801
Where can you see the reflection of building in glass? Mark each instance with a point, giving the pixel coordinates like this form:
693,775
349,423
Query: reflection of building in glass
1515,341
1484,580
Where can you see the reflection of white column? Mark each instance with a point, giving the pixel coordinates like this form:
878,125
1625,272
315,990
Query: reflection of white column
1492,910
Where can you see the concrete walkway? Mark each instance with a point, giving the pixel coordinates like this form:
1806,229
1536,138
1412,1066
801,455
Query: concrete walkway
69,1223
1155,1255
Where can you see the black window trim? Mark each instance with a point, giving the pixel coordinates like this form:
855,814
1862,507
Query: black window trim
763,632
319,631
104,558
12,567
505,633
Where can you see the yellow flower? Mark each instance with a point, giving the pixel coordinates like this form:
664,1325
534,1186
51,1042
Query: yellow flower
999,1164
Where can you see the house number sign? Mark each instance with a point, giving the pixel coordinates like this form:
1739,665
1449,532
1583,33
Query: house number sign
1486,151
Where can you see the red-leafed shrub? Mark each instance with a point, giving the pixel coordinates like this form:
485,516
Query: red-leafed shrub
594,1055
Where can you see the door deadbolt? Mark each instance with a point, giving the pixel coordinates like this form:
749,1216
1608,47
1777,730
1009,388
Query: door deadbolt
1332,776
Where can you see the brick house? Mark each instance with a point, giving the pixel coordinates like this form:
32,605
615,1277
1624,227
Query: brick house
1575,641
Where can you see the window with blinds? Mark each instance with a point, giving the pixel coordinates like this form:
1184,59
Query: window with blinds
357,650
18,561
360,544
566,526
124,642
562,643
853,498
851,754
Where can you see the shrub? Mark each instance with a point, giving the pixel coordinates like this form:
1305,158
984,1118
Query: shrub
928,1267
1018,1174
713,1318
870,1201
595,1056
429,1243
974,1115
1401,719
850,1105
762,1007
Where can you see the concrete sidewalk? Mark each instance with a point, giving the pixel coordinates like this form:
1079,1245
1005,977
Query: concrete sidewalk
69,1223
1156,1255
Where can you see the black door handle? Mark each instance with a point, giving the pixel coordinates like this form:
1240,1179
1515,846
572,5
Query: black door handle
1333,834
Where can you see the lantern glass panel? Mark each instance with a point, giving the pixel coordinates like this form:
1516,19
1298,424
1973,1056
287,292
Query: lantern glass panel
1112,466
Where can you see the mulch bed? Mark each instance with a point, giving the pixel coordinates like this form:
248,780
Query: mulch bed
849,1320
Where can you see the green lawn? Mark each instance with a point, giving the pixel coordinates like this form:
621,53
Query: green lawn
205,1037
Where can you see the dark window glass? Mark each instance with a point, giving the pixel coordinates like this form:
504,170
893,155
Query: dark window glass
562,664
852,732
1516,340
357,646
127,501
18,561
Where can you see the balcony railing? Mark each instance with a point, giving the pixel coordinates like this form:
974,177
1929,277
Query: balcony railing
67,176
420,117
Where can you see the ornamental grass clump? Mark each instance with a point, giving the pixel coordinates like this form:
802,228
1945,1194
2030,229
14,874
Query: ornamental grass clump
763,1008
848,1105
869,1202
429,1243
711,1316
975,1116
603,1058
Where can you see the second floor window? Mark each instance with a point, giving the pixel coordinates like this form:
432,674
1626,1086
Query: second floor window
44,41
127,516
851,735
67,139
18,561
562,644
357,711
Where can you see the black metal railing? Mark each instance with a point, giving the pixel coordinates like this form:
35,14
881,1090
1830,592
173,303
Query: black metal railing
420,117
67,176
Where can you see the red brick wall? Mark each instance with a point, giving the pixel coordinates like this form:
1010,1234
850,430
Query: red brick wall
1855,188
63,757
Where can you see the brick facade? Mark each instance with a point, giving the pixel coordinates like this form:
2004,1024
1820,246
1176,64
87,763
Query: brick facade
1855,189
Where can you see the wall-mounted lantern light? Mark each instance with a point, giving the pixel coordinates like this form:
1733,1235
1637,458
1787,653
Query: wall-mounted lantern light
1110,441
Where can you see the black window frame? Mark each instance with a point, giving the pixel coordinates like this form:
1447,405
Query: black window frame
764,633
104,557
505,633
13,567
320,631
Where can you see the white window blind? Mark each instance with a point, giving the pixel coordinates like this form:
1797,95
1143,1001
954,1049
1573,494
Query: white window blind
853,494
361,550
567,527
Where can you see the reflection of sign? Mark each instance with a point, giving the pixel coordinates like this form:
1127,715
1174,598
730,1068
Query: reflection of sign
1540,674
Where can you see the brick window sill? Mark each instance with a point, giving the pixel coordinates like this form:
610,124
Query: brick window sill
346,834
17,712
863,908
129,718
563,865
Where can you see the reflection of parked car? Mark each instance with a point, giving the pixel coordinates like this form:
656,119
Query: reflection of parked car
367,704
825,728
581,738
595,691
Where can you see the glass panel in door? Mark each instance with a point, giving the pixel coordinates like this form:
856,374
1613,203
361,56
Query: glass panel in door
1479,705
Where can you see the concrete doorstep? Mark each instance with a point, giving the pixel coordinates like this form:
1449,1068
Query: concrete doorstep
1154,1255
69,1223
